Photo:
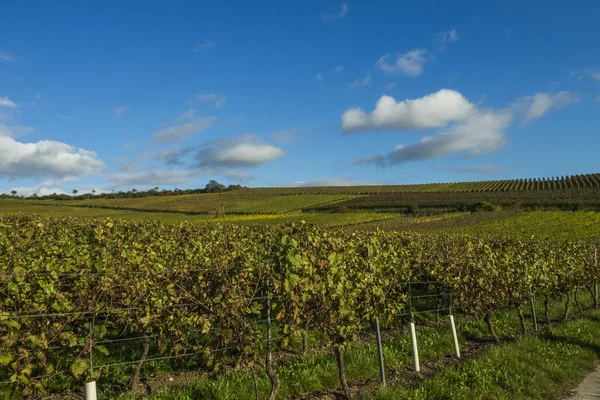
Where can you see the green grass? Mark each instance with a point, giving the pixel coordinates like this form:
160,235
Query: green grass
533,367
565,224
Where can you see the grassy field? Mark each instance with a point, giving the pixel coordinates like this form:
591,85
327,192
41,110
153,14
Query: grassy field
239,201
11,207
552,224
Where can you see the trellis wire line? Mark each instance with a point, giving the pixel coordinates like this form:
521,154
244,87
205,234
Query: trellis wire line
124,340
169,357
81,274
426,311
35,377
431,295
69,314
117,310
420,283
139,338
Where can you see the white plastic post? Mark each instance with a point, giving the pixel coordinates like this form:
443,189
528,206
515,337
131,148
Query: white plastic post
415,348
90,391
454,336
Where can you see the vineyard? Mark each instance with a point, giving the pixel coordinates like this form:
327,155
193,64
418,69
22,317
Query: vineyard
218,297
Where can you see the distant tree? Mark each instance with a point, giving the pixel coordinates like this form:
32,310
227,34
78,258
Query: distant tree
75,191
13,192
214,187
93,191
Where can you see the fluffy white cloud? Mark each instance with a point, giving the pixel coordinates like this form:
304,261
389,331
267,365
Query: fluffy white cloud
44,159
118,111
432,111
6,102
339,14
481,133
540,104
409,64
182,131
151,178
338,70
243,151
217,98
448,37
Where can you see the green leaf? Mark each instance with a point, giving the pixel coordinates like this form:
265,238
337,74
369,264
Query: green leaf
5,359
79,367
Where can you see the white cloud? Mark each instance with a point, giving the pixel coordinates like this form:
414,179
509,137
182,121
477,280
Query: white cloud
409,64
243,151
186,116
540,104
338,70
6,102
218,99
448,37
338,14
182,131
432,111
44,159
206,45
151,178
172,156
118,111
127,167
6,57
360,82
596,75
479,134
319,76
237,175
39,190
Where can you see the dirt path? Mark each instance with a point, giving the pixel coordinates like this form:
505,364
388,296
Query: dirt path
589,389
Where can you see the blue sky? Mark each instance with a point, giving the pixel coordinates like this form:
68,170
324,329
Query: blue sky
116,95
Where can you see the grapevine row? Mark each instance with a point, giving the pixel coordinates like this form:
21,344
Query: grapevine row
195,290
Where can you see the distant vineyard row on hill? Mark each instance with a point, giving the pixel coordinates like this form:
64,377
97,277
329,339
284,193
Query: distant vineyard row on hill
507,185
